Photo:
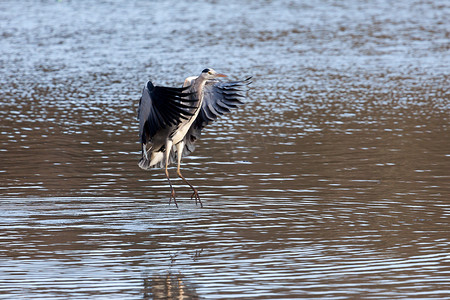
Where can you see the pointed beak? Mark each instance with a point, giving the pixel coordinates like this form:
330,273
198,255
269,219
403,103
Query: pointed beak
221,75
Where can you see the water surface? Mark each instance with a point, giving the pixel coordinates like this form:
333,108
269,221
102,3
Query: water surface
331,182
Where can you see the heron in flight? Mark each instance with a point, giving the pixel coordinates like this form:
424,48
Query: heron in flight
171,119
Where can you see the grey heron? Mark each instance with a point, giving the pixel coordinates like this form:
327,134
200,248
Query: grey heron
171,119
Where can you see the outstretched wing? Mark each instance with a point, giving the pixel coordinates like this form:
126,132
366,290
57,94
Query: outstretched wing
219,98
160,107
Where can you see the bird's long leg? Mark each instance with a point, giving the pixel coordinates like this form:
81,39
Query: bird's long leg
172,190
180,147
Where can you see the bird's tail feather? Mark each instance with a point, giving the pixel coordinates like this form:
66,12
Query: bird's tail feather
144,163
156,161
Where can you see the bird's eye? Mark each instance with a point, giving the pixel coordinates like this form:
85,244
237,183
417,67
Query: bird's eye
210,73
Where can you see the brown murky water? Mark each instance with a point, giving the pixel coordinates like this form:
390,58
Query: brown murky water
331,182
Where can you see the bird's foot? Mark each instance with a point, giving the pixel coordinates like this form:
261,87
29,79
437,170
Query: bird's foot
197,198
172,196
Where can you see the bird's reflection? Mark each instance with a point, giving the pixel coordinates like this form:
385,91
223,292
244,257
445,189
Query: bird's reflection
171,284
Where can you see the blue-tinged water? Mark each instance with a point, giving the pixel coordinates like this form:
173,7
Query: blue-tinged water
332,181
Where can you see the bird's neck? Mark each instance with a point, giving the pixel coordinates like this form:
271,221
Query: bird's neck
199,83
198,86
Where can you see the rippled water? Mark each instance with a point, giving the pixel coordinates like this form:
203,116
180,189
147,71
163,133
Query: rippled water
331,182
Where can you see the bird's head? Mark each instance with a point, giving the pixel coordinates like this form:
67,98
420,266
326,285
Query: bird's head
211,74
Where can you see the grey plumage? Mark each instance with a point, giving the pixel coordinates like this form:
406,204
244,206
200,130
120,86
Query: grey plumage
219,98
161,110
171,119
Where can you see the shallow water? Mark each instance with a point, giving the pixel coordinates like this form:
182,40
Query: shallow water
331,182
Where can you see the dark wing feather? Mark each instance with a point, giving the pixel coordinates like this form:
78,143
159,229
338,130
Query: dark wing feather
218,98
160,107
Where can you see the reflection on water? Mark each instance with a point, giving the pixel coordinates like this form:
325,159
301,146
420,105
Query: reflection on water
168,286
332,181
